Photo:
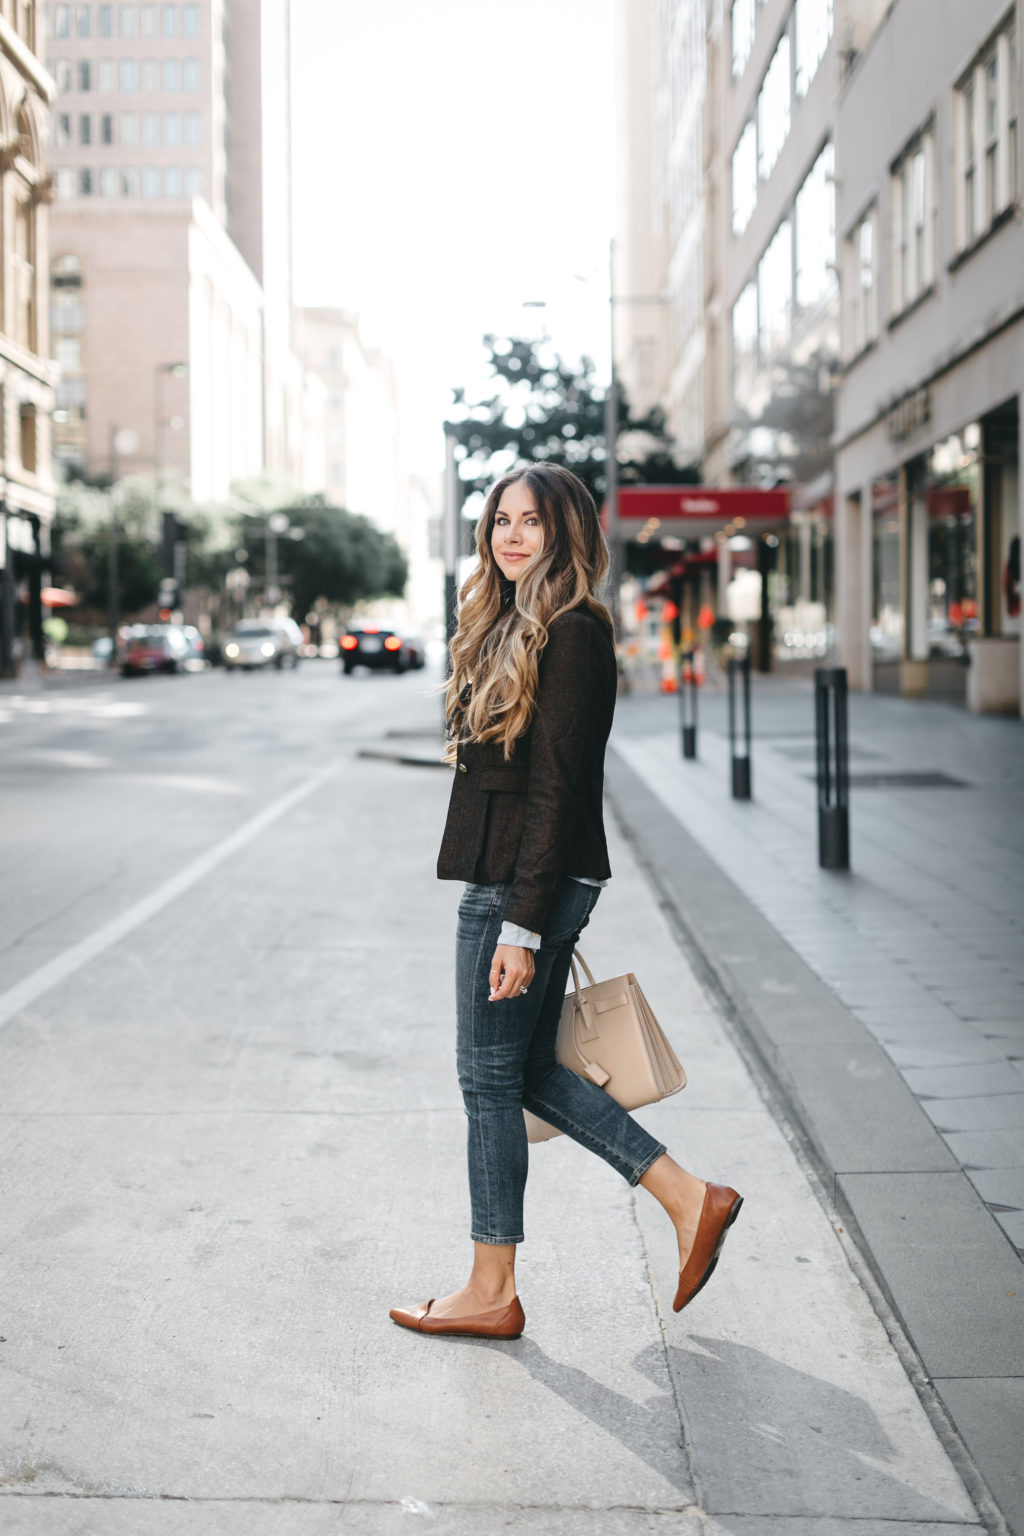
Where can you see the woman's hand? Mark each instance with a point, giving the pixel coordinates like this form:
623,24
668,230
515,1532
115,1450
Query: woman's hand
511,971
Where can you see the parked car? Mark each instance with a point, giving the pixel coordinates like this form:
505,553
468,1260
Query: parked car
196,659
263,643
154,648
370,645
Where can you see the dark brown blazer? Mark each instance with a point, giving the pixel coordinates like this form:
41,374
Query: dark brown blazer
538,816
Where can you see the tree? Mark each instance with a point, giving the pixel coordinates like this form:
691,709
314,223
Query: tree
546,411
81,541
342,557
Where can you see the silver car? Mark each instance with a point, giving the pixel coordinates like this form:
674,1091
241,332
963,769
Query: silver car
263,643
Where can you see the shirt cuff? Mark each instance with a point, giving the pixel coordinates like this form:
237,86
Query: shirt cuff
511,933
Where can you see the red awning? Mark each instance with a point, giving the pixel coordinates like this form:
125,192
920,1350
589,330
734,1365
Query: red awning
693,511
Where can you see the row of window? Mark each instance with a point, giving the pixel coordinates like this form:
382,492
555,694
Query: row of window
793,66
984,188
796,275
810,25
151,181
128,75
131,21
170,129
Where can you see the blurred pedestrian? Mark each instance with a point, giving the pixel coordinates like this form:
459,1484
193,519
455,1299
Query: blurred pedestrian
530,707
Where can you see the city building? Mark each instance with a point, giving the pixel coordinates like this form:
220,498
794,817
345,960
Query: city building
928,430
26,374
171,259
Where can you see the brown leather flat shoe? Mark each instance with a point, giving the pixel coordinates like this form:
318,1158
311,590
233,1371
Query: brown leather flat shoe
506,1323
717,1214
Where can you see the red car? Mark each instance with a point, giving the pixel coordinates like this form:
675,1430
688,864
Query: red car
155,648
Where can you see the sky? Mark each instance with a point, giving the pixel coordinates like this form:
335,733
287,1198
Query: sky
453,160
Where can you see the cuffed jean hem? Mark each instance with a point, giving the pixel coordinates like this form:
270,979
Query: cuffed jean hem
633,1179
496,1242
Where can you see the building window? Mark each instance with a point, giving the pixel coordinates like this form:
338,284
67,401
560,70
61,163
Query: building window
773,109
83,20
84,75
85,183
913,222
193,129
129,182
775,292
169,21
172,130
190,17
69,354
744,179
151,129
63,129
106,20
27,421
149,75
744,342
62,21
812,33
742,27
172,181
105,76
191,76
860,284
147,16
66,183
129,129
172,75
815,217
25,273
107,128
129,72
128,21
193,181
985,146
62,75
85,129
109,182
150,181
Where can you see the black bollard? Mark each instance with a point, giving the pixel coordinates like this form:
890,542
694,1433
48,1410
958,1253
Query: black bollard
688,704
739,741
833,748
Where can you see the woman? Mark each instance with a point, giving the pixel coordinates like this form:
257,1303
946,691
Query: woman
531,700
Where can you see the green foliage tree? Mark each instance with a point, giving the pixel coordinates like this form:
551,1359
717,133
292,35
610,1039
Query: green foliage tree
341,558
81,542
547,411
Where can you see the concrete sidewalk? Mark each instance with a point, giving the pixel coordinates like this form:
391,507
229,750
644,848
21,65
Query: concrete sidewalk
233,1139
886,1005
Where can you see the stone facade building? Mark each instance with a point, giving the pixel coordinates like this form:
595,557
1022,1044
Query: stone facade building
26,374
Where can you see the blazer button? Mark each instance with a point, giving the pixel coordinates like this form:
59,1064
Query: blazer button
463,768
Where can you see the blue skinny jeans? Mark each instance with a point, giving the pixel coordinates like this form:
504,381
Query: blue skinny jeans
506,1061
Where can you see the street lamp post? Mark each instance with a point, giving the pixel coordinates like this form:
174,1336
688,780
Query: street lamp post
611,431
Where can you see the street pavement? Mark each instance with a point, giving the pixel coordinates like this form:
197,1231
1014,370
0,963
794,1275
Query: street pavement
886,1004
231,1138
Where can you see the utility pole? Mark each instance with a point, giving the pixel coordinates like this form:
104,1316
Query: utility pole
113,535
450,545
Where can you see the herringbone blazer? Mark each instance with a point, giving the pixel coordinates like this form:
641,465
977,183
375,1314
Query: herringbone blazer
537,817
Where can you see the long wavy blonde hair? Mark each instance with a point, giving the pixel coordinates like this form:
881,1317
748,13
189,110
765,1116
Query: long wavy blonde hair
503,625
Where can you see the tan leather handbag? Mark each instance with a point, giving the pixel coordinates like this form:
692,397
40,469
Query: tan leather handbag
608,1033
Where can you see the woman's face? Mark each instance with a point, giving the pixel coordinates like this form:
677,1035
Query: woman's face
517,535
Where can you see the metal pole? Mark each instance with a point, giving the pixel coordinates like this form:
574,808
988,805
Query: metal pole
270,583
740,741
833,763
113,572
450,546
688,704
611,451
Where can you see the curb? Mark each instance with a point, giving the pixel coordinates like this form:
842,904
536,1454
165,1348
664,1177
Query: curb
942,1264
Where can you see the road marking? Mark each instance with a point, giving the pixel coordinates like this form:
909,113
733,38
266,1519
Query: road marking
72,960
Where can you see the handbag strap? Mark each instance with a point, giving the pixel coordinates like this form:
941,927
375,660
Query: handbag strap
596,1073
577,955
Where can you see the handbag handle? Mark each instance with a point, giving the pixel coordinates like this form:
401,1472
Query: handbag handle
576,955
596,1073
